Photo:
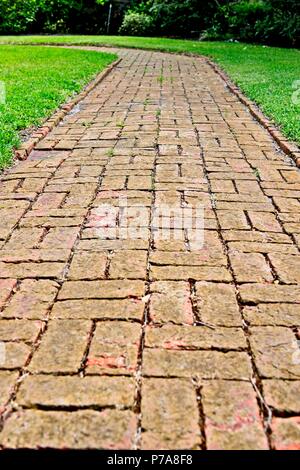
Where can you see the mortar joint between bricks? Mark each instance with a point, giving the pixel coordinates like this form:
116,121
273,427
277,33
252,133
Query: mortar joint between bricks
264,414
145,321
60,282
84,360
272,268
255,112
276,211
198,391
29,208
44,325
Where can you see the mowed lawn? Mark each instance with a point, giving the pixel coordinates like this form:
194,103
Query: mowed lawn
36,80
266,75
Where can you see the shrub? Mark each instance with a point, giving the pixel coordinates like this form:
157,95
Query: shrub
266,21
237,20
136,24
181,18
58,16
281,26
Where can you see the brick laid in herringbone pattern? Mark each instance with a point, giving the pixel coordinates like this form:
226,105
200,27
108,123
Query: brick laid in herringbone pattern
147,342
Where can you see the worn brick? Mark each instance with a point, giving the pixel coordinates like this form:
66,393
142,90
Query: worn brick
64,237
255,236
129,264
199,258
88,243
222,186
269,293
70,391
86,265
171,302
274,349
25,255
102,289
282,395
247,187
264,221
232,420
15,355
286,433
287,204
6,288
194,337
217,304
99,309
184,273
292,228
169,421
262,247
62,346
32,300
42,221
203,364
24,238
143,182
114,348
34,429
7,382
19,330
250,267
280,314
287,267
232,220
49,200
31,270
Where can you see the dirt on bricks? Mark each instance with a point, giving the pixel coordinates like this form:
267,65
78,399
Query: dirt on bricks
144,342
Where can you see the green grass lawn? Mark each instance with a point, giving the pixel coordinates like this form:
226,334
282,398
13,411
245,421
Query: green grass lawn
37,80
266,75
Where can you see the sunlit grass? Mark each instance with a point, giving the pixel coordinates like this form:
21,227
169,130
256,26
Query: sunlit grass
37,80
265,74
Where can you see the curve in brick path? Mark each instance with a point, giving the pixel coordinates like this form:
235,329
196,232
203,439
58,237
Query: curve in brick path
149,342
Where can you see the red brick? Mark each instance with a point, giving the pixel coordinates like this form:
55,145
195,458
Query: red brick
6,288
169,421
34,429
232,418
286,433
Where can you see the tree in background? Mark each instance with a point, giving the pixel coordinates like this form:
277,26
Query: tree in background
268,21
175,18
16,16
59,16
275,22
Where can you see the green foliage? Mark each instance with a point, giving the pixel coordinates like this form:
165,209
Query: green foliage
57,16
237,20
178,17
65,16
275,22
136,24
266,21
17,15
281,24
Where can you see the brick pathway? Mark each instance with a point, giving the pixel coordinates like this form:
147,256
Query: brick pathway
150,343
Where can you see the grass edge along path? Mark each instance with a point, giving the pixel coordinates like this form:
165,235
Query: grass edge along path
37,80
267,75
